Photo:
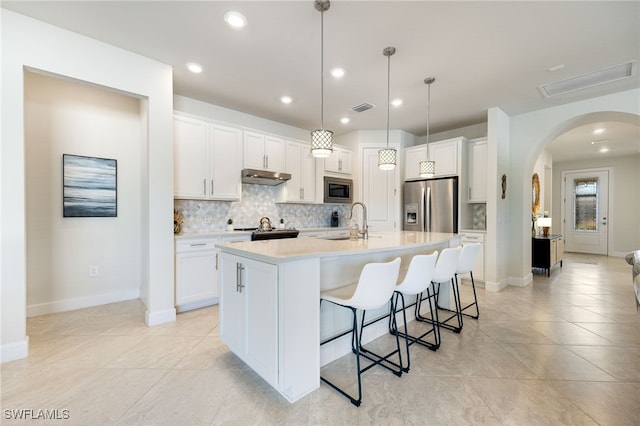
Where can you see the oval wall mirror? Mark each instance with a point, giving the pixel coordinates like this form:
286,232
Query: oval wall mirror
535,194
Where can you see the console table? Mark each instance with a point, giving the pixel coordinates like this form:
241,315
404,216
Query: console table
546,251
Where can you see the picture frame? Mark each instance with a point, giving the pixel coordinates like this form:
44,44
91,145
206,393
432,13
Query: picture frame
89,186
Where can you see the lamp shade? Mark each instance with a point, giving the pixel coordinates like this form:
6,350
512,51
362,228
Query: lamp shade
387,159
543,222
427,169
321,143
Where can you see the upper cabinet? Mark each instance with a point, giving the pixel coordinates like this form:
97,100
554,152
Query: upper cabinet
339,161
207,159
446,154
412,158
301,188
477,173
263,152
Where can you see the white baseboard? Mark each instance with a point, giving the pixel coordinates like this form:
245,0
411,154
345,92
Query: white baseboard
82,302
15,350
495,286
620,253
197,305
159,317
521,281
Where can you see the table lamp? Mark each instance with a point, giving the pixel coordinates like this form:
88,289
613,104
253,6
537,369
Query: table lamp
545,224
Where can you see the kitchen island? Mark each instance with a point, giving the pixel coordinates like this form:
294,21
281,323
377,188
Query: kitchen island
270,313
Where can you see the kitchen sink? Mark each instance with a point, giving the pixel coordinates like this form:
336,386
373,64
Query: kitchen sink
334,237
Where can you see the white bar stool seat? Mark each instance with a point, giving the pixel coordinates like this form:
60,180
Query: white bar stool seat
467,259
374,289
445,271
417,282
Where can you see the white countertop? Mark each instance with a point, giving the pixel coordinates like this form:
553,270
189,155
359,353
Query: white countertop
278,251
228,234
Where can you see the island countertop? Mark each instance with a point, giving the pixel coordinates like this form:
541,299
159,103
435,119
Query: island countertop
283,250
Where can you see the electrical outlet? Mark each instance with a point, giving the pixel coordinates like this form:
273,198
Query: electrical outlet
93,270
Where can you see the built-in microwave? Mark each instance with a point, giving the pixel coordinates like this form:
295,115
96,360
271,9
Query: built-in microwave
338,190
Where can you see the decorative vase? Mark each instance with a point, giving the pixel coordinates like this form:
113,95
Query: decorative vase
533,229
177,228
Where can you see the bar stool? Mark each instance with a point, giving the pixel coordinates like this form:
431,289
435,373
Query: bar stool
445,271
373,290
467,259
416,282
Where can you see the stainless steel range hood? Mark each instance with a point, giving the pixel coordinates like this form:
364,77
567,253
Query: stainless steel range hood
264,177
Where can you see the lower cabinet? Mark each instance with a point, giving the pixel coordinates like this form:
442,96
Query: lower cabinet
196,274
269,318
249,315
547,252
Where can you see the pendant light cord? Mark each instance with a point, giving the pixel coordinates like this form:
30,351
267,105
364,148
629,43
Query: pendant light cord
388,94
322,69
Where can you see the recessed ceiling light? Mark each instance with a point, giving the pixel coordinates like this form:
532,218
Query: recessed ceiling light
337,72
235,19
286,99
555,67
396,102
605,149
345,120
194,68
599,131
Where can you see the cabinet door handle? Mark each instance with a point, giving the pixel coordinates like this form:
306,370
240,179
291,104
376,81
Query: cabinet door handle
211,186
302,193
340,164
204,186
216,261
197,244
239,268
267,164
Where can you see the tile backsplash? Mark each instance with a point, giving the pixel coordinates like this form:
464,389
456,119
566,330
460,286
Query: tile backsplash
257,201
479,216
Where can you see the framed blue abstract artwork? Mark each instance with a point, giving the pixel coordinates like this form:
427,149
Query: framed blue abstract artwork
89,186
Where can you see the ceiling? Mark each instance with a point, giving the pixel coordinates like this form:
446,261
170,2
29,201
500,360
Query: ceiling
482,55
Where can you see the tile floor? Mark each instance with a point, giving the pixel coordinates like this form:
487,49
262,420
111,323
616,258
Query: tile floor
564,350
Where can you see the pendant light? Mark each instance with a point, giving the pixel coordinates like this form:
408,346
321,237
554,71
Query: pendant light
387,156
321,139
428,168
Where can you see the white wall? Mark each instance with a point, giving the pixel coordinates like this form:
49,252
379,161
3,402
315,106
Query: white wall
529,134
65,117
624,198
28,43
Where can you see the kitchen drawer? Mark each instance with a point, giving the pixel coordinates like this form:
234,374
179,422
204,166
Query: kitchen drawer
196,245
472,237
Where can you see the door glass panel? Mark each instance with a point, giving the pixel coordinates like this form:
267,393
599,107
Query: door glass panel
586,205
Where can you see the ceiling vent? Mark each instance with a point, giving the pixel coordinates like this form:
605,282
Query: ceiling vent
362,107
591,79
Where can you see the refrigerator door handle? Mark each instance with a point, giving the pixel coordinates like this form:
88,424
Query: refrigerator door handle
427,210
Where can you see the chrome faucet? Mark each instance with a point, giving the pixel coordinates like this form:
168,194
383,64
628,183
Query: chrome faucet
364,232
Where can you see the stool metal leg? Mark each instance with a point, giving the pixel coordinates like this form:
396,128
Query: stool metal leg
457,314
475,300
383,360
356,349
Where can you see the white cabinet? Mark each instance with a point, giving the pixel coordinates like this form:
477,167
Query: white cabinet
339,161
475,237
207,160
196,273
263,152
412,158
301,188
477,173
249,314
447,155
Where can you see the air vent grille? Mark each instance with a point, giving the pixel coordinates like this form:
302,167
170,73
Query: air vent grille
362,107
591,79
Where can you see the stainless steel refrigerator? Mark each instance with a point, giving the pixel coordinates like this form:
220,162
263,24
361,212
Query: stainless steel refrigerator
431,205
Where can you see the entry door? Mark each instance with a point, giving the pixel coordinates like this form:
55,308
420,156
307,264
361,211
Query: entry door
379,193
586,211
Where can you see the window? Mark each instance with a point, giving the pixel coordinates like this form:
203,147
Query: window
586,204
